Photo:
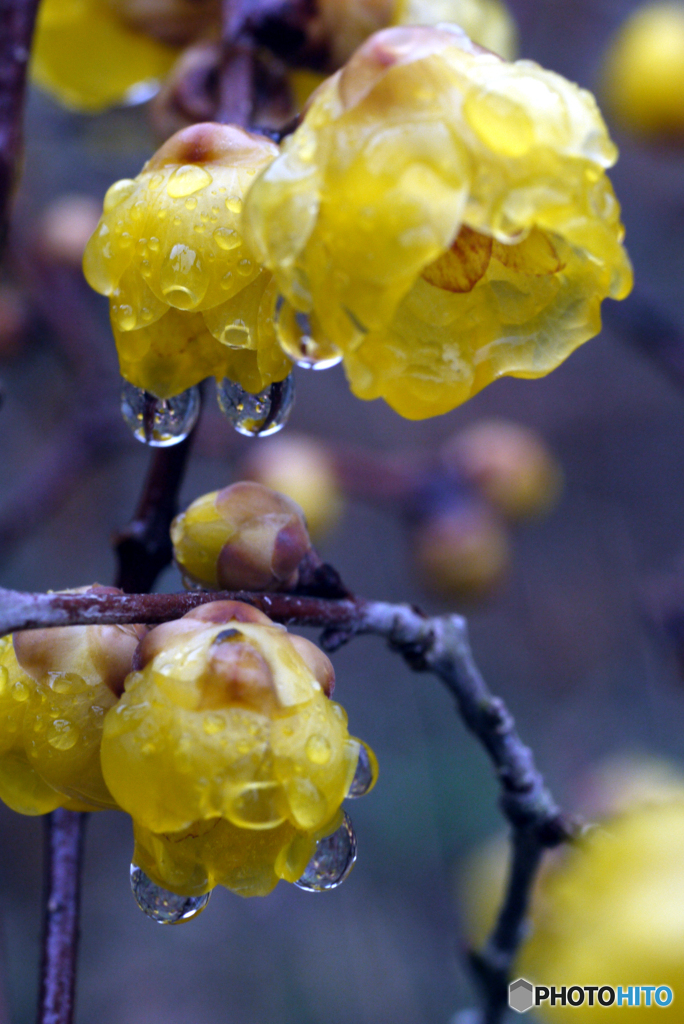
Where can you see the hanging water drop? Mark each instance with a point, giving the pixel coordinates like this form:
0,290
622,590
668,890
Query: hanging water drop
159,422
256,415
333,860
301,338
366,773
163,906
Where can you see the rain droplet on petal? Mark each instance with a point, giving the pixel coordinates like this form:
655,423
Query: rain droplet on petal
333,860
301,338
366,773
186,180
256,415
159,422
163,906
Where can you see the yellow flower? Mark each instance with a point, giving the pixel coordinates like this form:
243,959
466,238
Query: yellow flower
89,58
55,687
227,752
188,300
643,71
610,908
443,218
486,22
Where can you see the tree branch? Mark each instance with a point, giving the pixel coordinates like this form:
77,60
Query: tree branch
17,18
63,850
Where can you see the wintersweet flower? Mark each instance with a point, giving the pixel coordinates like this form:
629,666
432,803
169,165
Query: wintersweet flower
227,751
56,686
442,218
91,55
188,300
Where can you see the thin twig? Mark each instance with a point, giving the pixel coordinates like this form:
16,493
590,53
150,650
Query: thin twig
144,547
17,18
63,848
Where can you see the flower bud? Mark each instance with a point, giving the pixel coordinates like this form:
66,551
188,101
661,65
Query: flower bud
510,465
245,537
301,468
463,553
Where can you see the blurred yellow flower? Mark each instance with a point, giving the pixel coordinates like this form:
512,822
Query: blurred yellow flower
443,219
90,58
642,78
610,909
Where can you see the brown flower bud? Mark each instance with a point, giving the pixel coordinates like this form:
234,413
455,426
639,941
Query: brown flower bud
463,553
218,612
98,654
245,537
509,465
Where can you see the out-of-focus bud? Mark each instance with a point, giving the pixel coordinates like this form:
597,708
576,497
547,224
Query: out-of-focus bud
642,77
13,321
462,553
245,537
301,468
508,464
65,228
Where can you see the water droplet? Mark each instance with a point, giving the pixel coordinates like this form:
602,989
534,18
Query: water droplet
119,191
256,415
155,181
235,335
159,422
333,860
245,267
163,906
182,278
302,340
154,244
227,238
318,749
62,734
234,204
366,773
190,204
187,179
20,691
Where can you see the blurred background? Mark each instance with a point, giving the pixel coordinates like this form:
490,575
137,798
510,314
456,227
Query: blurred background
564,637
